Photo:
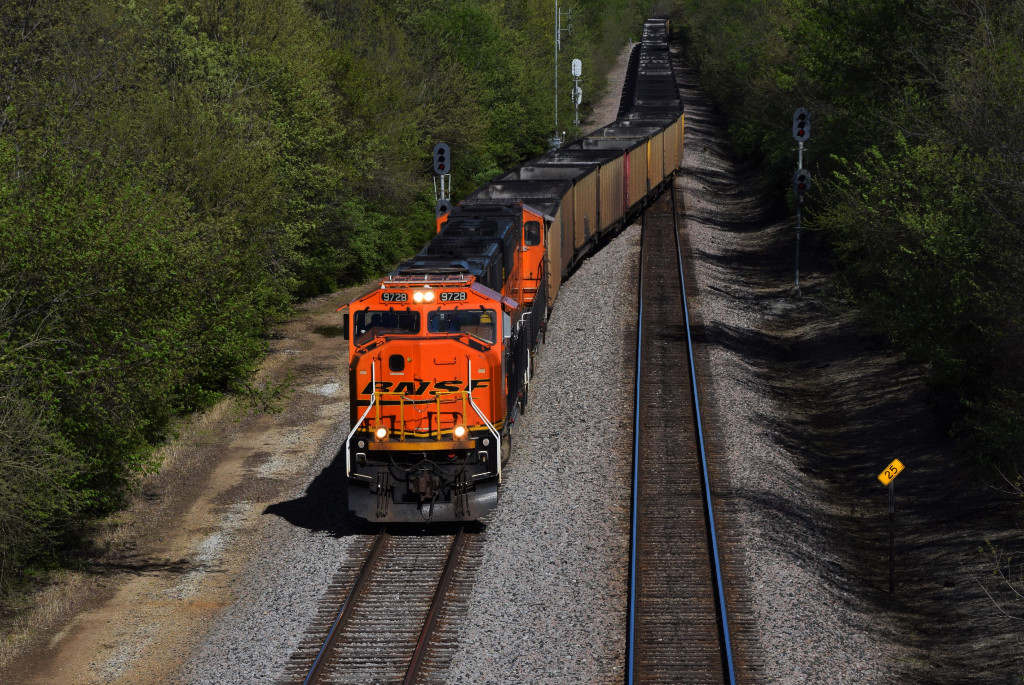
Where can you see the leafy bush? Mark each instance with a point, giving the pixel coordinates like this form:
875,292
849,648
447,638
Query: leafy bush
917,148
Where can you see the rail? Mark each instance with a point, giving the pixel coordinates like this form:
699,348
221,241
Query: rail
661,344
414,575
358,586
705,480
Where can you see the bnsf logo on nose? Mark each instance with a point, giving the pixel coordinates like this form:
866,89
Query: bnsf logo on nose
424,387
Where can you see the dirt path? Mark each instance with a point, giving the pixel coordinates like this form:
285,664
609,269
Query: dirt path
134,614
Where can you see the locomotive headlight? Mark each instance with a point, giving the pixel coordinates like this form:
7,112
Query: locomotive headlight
486,442
421,296
381,433
361,444
460,432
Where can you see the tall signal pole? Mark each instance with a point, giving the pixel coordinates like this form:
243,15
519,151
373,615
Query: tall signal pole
557,139
801,178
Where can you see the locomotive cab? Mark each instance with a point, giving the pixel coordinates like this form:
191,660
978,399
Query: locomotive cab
428,411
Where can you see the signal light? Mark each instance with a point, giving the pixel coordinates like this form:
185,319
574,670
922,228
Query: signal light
801,124
801,183
442,157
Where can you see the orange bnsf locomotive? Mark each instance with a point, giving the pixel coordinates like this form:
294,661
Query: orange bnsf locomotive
440,353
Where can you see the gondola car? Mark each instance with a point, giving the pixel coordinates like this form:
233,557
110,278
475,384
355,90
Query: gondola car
440,352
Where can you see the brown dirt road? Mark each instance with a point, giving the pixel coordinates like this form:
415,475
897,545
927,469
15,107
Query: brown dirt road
133,614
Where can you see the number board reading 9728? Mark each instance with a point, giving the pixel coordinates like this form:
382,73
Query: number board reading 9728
453,295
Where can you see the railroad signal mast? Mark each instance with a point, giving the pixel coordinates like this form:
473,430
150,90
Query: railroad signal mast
801,177
557,139
443,179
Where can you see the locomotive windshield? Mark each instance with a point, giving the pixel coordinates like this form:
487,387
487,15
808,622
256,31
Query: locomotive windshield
369,324
478,323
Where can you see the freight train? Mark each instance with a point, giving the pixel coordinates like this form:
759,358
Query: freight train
440,354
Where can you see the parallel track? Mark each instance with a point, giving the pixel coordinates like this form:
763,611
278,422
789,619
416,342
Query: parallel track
678,629
383,625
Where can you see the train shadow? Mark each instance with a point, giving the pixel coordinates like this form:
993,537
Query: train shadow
842,405
323,508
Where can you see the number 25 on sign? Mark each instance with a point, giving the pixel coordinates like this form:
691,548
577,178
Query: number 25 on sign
891,471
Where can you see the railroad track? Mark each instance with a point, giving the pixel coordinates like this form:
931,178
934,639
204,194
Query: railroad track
678,618
380,626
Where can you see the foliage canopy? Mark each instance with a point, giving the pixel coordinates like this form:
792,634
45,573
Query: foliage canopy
174,174
918,105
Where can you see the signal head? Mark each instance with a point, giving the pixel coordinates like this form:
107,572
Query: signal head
442,159
801,124
801,183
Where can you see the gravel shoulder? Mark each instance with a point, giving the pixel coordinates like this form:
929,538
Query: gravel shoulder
549,600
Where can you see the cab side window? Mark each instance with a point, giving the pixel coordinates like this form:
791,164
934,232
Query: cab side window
532,233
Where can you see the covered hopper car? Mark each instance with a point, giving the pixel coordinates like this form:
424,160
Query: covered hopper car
440,352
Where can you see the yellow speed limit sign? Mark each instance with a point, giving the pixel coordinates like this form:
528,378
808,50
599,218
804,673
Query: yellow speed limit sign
891,471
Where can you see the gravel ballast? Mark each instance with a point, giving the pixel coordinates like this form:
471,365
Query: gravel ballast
291,564
549,601
809,631
549,598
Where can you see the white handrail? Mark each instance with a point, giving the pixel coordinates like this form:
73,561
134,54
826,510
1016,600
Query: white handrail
526,378
373,400
490,426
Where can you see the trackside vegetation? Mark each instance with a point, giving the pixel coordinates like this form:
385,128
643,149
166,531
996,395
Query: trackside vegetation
917,152
176,174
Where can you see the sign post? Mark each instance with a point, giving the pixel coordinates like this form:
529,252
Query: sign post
887,477
801,182
801,179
